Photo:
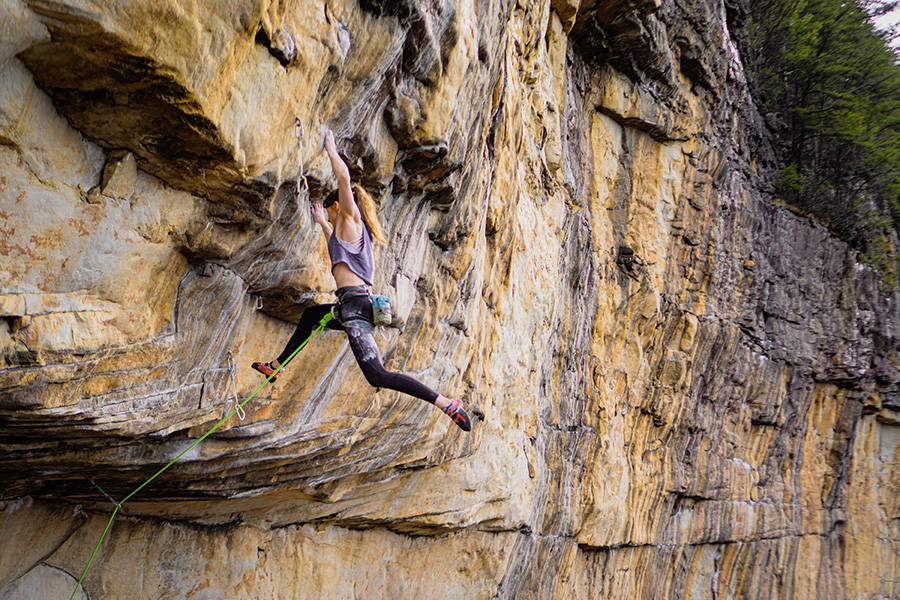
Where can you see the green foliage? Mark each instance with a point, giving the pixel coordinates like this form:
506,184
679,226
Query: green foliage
883,257
829,84
791,178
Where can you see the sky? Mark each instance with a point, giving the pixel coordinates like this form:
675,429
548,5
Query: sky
890,19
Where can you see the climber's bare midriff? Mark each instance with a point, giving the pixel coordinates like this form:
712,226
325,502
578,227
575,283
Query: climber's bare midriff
344,277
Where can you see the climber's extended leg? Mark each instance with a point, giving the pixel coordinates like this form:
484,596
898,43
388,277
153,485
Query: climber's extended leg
362,342
310,318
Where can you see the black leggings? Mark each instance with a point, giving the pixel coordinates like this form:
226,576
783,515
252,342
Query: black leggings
355,318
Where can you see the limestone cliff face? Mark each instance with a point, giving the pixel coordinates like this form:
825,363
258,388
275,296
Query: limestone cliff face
681,388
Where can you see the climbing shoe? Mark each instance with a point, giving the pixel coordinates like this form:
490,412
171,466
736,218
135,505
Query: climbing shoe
455,411
267,370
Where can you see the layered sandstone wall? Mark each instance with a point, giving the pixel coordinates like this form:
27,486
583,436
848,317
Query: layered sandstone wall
681,388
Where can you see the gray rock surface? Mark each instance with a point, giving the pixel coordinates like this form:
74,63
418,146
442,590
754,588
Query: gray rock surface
680,387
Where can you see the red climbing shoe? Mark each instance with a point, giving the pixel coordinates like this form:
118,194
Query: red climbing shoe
455,411
267,370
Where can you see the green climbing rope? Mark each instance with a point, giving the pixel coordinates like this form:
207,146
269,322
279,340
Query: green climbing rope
321,327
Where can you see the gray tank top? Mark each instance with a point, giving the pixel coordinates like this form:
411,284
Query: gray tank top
361,263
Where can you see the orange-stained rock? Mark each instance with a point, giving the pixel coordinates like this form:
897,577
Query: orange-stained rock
680,388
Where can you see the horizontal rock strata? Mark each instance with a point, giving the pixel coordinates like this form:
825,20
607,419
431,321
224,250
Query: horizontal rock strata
680,388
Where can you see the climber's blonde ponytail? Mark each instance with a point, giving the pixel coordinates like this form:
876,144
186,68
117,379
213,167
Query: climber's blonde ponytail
369,213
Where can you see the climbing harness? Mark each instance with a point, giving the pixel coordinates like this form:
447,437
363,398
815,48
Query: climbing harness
320,328
382,309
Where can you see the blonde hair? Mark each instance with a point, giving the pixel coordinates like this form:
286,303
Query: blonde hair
369,213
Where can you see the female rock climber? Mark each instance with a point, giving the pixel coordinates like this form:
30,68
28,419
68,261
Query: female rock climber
349,222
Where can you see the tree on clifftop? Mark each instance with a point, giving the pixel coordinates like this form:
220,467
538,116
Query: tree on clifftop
829,84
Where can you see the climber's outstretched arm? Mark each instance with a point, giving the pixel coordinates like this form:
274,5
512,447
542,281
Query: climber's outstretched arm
320,217
345,193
